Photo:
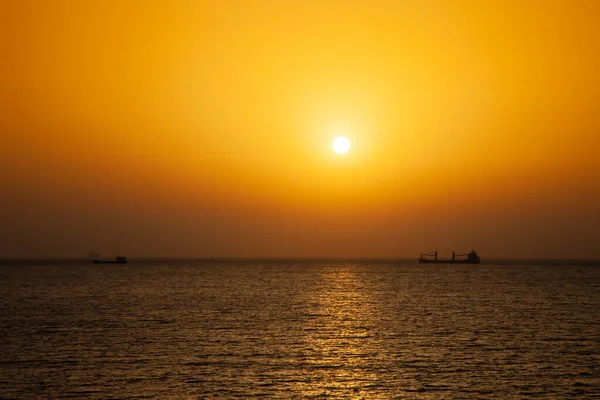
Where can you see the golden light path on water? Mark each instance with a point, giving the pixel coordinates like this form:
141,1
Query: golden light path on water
340,334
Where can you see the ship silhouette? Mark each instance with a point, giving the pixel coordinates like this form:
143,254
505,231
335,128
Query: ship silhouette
471,258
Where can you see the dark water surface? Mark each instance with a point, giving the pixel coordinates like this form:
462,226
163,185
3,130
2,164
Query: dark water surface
299,330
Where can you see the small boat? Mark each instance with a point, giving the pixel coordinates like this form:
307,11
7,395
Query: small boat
471,258
118,260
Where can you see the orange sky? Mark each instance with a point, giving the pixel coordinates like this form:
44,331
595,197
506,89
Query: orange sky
199,128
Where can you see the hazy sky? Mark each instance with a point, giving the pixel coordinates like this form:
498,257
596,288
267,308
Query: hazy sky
204,128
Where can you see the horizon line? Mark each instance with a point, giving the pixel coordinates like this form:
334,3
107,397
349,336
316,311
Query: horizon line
224,258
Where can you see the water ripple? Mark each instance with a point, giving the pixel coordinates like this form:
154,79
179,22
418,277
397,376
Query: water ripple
293,330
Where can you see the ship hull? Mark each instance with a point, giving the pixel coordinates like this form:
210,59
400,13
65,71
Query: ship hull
426,261
108,262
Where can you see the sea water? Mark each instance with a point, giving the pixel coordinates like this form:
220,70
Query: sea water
298,329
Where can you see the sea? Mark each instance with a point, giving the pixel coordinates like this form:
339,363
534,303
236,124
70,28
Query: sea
298,329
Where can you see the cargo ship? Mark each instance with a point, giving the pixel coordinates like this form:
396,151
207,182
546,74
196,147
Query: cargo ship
432,258
118,260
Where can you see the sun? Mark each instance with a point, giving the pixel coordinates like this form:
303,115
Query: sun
341,144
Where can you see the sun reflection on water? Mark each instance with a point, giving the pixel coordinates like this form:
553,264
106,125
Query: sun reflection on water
341,346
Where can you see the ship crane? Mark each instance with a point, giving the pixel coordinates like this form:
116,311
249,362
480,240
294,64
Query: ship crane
434,254
470,255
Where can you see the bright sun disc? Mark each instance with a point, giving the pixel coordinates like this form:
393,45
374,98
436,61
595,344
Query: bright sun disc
340,144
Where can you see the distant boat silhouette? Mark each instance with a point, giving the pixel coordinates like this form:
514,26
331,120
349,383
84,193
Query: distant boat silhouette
118,260
472,258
